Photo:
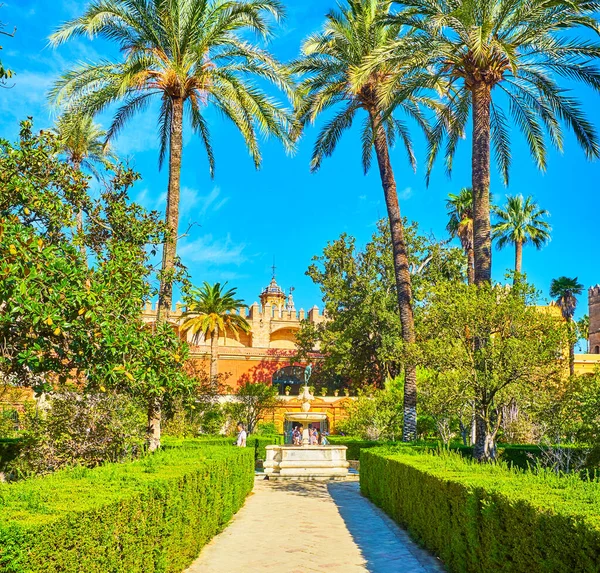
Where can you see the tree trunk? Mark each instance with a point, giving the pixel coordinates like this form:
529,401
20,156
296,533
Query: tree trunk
403,281
153,430
484,449
482,239
471,266
214,357
165,296
518,259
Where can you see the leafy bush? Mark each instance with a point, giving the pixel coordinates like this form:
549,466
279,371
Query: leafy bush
151,515
375,414
9,449
481,517
253,400
79,429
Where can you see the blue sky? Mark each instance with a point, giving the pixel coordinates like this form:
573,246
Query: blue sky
247,218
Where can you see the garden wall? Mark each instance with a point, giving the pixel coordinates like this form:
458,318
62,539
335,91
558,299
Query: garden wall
151,515
482,518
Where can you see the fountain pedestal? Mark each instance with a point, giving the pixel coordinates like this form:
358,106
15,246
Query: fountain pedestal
306,462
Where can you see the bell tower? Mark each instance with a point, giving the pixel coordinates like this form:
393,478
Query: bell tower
594,310
273,295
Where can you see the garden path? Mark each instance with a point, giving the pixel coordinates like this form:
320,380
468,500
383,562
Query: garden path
312,527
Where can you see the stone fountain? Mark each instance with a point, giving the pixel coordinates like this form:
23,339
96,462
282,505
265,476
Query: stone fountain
306,462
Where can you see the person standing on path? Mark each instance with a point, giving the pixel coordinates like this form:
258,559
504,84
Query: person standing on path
241,438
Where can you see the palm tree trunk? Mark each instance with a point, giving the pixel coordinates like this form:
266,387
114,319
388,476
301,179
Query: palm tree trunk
165,293
401,270
470,266
214,357
518,258
482,239
165,297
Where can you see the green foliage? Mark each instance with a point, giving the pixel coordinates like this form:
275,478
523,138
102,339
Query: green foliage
9,450
375,414
480,518
266,429
152,515
210,310
253,400
195,52
362,340
79,429
62,320
519,358
525,51
521,221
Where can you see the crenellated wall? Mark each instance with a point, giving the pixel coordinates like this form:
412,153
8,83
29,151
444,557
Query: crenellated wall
594,313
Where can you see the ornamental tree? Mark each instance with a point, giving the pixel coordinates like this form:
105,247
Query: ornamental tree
524,350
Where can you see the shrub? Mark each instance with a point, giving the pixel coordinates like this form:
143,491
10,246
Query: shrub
151,515
481,518
9,449
80,429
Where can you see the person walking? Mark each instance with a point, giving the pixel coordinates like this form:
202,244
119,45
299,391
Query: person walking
241,438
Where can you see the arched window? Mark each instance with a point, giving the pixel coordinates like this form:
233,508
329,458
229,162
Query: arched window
596,349
292,376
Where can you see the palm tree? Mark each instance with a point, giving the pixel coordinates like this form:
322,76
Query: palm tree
519,223
83,143
210,311
349,36
188,54
460,224
493,55
565,291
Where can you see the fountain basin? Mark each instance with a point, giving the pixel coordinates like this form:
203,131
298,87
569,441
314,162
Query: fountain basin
306,462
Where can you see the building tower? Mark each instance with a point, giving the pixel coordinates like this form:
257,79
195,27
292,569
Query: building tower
594,310
273,295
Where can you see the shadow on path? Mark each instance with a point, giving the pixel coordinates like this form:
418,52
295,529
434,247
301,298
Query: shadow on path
385,547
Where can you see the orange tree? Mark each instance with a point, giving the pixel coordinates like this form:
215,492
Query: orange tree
60,320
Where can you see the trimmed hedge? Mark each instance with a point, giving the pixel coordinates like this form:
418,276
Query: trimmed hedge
355,445
259,443
9,450
519,455
482,518
151,515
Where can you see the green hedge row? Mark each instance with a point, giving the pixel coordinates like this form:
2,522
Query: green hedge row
9,449
518,455
151,515
482,518
258,443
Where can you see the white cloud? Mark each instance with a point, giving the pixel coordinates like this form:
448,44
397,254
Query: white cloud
212,251
405,194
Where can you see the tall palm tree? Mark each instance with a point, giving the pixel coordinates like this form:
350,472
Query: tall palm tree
494,55
460,224
210,311
349,36
565,291
521,222
188,54
83,142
